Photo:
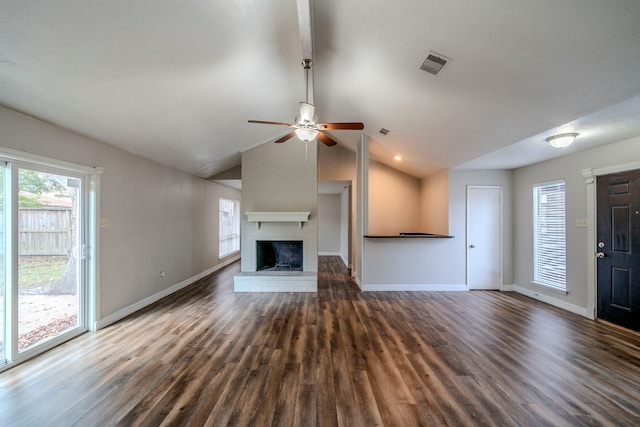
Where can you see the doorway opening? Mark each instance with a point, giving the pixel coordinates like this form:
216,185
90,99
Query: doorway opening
335,220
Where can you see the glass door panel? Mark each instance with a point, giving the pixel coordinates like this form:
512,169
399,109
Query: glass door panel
49,291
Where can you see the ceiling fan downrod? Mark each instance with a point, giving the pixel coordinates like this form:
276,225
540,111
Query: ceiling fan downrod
306,64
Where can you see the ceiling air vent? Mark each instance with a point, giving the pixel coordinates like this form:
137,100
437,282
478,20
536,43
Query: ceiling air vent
384,131
434,63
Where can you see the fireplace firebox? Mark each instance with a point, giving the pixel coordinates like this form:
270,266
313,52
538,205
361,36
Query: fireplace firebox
279,255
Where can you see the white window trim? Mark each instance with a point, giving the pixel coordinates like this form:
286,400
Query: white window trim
236,204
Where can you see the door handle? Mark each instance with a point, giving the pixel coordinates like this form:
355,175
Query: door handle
599,254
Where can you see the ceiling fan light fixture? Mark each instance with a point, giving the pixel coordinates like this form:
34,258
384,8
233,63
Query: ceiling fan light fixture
306,134
562,140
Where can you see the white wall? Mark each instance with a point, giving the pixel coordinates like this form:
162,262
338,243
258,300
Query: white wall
160,219
329,215
570,169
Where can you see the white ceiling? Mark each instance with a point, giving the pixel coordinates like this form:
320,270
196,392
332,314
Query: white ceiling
176,81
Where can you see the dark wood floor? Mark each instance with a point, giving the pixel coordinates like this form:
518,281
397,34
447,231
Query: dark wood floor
207,356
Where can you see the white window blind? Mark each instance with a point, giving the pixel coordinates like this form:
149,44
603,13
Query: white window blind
229,233
549,235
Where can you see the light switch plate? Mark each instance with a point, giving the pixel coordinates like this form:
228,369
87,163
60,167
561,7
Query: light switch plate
104,223
581,222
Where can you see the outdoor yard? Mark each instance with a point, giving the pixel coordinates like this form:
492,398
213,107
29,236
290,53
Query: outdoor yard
41,315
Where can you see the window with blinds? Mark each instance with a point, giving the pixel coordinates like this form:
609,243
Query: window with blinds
549,235
229,233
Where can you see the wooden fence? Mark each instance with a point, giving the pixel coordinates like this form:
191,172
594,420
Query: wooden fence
45,231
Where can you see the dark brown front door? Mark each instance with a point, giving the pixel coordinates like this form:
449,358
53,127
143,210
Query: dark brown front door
618,246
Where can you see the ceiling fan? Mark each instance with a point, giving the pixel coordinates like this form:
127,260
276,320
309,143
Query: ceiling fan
306,126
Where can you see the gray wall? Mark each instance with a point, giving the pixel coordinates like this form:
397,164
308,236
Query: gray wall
458,182
570,169
437,264
160,219
345,225
329,216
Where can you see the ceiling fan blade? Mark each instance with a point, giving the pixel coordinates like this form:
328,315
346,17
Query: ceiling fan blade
326,140
306,112
269,123
341,126
287,136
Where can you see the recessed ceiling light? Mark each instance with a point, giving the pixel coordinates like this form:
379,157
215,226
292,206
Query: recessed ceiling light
384,131
398,158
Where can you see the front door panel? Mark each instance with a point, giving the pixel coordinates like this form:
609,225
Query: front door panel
618,233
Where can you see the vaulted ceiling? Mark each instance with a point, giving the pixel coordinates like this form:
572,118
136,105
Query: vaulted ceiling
176,82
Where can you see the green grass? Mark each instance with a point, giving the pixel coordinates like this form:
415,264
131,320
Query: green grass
34,271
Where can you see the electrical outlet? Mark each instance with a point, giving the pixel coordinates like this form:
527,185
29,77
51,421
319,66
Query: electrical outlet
162,274
581,222
104,223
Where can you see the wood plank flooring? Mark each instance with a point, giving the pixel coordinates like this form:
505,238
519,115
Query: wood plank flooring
207,356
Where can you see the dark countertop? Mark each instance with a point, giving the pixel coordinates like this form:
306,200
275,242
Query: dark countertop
411,236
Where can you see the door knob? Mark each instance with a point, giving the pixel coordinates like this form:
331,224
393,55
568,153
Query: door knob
472,246
599,254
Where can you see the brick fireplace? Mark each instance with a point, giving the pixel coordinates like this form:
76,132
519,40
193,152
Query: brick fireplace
279,204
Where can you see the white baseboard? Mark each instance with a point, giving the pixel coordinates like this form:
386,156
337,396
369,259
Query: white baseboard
507,288
122,313
344,261
417,288
582,311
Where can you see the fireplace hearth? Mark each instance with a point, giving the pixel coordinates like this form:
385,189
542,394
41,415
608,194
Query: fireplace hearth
279,255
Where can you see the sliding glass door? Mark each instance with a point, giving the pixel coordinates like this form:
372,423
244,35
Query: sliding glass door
50,294
43,277
3,294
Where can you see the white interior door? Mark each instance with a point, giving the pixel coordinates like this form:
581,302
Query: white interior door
484,237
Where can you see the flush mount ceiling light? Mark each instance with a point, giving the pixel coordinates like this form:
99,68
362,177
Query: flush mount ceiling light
562,140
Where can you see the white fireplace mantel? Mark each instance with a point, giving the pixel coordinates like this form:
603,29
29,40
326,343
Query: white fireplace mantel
260,217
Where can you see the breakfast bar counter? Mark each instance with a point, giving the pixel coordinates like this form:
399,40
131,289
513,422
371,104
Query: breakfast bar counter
413,262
